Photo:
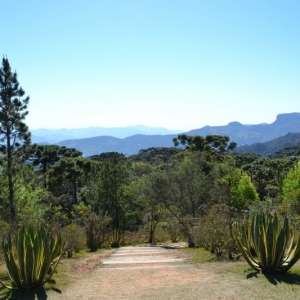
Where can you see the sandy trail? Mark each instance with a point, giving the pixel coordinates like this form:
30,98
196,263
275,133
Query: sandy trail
134,272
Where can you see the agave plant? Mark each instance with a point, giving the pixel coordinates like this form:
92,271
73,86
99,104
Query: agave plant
266,247
32,259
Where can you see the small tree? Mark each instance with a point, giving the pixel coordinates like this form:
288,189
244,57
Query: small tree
113,179
150,201
96,230
291,190
96,225
243,192
14,134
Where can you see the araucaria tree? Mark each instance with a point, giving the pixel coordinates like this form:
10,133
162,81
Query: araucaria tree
14,134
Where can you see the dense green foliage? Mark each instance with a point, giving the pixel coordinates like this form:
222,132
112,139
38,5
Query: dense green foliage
44,156
291,190
243,192
156,155
212,143
107,156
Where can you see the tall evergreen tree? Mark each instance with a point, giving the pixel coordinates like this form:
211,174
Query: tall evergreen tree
14,134
112,194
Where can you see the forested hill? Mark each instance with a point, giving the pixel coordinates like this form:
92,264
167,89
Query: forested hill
239,133
287,145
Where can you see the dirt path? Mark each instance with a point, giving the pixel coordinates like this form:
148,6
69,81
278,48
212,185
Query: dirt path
163,274
160,274
132,273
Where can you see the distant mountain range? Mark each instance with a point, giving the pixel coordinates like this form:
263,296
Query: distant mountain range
239,133
249,134
52,136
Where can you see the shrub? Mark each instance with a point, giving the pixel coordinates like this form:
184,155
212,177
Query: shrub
74,238
135,237
174,232
262,207
213,232
96,230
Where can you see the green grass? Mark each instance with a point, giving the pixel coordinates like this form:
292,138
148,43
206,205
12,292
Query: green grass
198,255
241,280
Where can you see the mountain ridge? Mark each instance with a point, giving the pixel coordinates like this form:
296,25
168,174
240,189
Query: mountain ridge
239,133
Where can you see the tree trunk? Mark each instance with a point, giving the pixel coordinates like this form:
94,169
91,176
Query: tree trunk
75,190
191,243
151,236
10,180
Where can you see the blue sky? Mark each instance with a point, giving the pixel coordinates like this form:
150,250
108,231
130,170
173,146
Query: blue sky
161,63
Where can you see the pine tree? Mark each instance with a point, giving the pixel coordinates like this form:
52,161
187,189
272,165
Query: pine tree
14,134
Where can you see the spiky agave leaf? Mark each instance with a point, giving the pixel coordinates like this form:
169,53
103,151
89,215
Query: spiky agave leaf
274,248
30,260
241,233
11,264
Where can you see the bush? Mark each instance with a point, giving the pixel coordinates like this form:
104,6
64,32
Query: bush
213,232
174,232
162,233
135,237
74,238
262,207
96,230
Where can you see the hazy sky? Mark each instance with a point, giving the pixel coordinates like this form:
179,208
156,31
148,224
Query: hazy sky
163,63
